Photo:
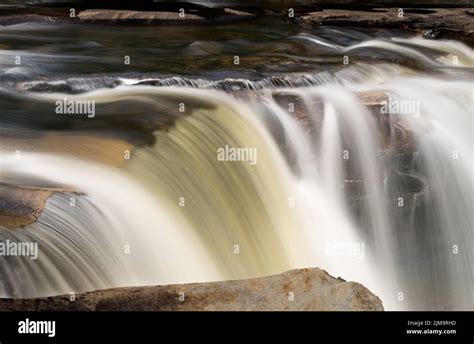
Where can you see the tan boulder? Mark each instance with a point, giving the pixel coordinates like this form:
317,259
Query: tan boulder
296,290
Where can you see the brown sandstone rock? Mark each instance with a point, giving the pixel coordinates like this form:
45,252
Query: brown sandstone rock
126,15
20,206
313,290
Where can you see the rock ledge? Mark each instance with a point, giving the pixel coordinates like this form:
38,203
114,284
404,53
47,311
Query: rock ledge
296,290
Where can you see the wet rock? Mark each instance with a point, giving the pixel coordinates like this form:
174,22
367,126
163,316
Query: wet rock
126,15
374,98
452,23
21,206
295,290
26,18
234,14
294,104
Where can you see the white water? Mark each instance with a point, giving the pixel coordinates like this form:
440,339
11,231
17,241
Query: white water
161,249
283,213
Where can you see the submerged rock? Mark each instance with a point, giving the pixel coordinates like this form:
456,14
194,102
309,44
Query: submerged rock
295,290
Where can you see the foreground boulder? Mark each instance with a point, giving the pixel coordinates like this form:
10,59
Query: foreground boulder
295,290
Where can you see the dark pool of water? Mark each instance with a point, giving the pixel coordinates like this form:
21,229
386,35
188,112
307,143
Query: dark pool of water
265,47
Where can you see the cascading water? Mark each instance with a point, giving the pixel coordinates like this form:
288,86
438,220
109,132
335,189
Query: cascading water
379,197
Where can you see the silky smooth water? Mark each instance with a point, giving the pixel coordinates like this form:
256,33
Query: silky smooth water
329,188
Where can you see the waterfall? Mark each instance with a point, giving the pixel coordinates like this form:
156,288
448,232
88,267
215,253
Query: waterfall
379,196
106,234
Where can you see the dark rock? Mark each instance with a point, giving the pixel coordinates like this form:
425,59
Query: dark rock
453,23
26,18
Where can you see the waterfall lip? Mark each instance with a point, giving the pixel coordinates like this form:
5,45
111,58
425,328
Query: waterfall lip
356,71
77,85
389,45
407,47
404,46
448,47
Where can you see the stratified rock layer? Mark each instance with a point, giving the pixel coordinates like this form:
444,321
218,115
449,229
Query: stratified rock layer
295,290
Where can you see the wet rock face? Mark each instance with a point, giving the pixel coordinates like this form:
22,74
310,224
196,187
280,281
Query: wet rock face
124,15
296,290
20,206
107,13
436,23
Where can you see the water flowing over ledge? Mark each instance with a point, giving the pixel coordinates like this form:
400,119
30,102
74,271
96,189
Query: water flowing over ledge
339,202
374,188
